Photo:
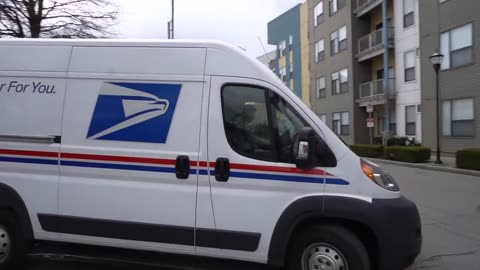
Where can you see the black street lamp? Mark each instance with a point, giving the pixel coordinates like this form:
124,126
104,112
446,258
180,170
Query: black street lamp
437,60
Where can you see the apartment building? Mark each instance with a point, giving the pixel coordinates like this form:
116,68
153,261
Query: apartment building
407,115
289,34
351,54
334,72
451,27
400,53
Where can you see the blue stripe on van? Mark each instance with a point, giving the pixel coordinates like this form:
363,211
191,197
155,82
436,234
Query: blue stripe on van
287,178
29,160
117,166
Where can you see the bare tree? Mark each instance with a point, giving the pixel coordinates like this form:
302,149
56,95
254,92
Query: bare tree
57,18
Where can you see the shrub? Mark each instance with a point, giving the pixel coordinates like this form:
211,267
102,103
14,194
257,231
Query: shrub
415,154
368,150
402,141
468,159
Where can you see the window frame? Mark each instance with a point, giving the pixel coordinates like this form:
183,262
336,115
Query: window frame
339,86
336,41
320,117
319,54
451,121
319,90
448,55
273,138
340,124
405,69
318,18
406,120
412,13
282,47
339,3
328,161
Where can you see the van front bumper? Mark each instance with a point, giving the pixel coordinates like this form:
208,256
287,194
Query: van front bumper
399,232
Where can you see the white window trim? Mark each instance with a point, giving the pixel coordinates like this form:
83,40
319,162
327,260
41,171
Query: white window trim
447,63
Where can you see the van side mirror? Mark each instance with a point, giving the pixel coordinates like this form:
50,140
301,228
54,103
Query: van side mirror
310,151
305,148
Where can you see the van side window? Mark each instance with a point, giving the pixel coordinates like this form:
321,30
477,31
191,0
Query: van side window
287,123
245,117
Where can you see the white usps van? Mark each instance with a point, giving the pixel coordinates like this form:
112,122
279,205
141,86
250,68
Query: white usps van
186,147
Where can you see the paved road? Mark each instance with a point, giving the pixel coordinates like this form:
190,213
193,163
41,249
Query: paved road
449,205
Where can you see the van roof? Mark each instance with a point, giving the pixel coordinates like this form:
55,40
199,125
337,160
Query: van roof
180,43
224,58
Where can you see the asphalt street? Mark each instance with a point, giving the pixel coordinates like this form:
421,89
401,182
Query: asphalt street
449,205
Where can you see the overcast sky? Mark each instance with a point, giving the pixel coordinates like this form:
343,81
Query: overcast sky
233,21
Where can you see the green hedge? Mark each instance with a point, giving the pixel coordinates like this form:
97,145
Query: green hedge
468,159
415,154
368,150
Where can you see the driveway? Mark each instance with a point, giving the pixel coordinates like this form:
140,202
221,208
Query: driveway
449,205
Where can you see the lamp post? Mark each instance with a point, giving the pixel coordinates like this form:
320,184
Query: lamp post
437,60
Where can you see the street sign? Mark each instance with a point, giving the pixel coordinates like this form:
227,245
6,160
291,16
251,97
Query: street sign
370,123
369,108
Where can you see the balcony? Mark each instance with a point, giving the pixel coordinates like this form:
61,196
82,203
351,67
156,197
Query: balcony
373,44
373,92
364,6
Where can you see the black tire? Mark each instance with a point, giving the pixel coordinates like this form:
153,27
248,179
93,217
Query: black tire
15,259
338,238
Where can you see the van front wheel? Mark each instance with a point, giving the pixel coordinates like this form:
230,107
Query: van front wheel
327,248
12,244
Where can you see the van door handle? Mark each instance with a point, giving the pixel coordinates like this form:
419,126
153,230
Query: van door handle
222,169
182,167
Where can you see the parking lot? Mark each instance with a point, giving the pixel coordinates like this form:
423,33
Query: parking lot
449,205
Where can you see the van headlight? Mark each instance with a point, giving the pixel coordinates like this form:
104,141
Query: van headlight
378,175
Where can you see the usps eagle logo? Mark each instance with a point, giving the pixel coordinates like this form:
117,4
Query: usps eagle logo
137,112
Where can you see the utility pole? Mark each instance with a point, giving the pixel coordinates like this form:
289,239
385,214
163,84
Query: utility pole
173,19
171,28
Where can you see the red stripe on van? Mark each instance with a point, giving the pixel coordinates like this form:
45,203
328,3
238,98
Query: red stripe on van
119,158
264,168
28,153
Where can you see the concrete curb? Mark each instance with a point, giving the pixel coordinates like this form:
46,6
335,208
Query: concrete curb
438,168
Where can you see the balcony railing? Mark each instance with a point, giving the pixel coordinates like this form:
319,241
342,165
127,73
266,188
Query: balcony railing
373,92
363,6
374,43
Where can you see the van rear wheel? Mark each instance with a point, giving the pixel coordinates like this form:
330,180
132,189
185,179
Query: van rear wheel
327,247
12,243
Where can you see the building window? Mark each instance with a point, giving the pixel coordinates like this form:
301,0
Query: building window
282,47
410,59
318,14
290,43
411,120
321,91
340,82
336,5
283,74
457,118
323,117
341,123
457,47
320,51
291,70
408,13
338,40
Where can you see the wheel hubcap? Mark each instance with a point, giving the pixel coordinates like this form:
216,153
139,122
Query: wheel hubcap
4,244
322,256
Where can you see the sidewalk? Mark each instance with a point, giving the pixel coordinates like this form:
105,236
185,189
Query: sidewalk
447,166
